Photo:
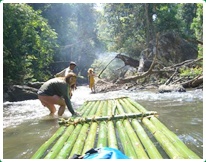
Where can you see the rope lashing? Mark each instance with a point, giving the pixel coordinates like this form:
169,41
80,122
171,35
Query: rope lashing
71,121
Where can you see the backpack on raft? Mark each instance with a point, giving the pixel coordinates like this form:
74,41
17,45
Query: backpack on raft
102,153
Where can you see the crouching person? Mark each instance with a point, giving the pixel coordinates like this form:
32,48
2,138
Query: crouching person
55,92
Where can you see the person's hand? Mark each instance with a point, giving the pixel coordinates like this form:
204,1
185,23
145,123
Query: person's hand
76,114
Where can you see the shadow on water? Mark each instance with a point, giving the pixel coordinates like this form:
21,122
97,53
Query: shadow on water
27,124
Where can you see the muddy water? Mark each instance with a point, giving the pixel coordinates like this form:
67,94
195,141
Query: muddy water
26,124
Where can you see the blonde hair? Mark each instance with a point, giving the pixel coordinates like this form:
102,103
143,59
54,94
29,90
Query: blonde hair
90,69
69,75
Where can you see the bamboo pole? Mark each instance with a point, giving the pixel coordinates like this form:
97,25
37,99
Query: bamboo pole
131,107
137,105
105,108
145,140
112,141
60,143
161,138
91,107
105,118
135,142
40,152
168,147
89,144
86,107
181,147
125,141
66,150
82,107
102,135
109,109
79,144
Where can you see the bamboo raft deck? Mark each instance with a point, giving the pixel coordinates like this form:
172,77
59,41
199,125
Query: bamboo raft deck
119,123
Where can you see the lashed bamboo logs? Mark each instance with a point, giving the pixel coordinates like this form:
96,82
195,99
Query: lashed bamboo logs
165,132
125,141
66,150
181,147
137,105
102,136
79,144
145,140
83,106
106,118
112,141
96,128
88,109
161,138
135,143
69,144
92,132
169,148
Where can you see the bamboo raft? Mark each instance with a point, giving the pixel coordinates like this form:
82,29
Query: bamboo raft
118,123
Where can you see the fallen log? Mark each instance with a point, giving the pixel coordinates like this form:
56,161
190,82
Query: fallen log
197,81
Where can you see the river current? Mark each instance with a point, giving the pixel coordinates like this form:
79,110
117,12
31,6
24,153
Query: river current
26,124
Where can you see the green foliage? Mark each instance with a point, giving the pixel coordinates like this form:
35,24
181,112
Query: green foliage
166,17
128,28
197,26
28,44
121,24
35,35
191,72
186,13
76,28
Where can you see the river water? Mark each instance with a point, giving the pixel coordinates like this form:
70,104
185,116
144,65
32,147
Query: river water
26,124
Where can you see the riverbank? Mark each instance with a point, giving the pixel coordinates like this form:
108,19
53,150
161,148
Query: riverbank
29,91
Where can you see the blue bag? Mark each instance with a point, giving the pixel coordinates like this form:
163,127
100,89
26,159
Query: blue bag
104,153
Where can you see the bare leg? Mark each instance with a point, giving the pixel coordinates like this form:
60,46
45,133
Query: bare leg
61,103
94,88
61,110
50,101
51,107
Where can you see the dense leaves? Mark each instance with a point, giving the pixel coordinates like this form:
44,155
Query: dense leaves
40,39
77,34
132,26
28,44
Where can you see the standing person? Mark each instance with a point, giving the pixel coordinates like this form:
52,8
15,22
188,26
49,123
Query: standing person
64,72
55,91
91,79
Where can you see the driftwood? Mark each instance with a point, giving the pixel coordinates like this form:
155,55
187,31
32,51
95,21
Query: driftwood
174,79
128,60
193,82
185,63
134,78
105,68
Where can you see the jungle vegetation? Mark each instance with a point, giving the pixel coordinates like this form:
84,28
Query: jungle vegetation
41,39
